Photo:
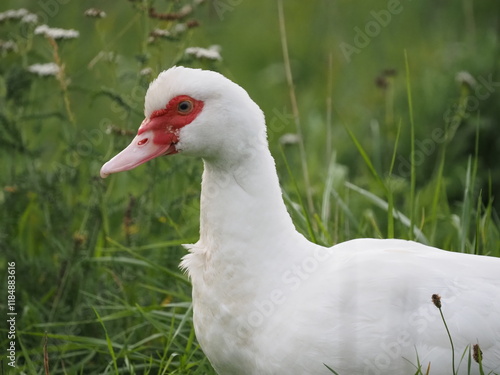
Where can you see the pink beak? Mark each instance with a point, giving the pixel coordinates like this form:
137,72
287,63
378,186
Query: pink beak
145,146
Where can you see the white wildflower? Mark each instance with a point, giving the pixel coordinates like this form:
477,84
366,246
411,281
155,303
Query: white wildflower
56,33
94,13
180,28
289,139
160,33
13,14
30,18
464,77
41,29
146,72
17,13
185,10
49,69
210,53
8,46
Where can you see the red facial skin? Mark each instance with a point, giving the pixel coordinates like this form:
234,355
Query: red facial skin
166,123
157,135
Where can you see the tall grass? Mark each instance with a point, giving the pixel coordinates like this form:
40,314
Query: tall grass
98,288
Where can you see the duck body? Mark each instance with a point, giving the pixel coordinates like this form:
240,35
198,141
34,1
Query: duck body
268,301
352,307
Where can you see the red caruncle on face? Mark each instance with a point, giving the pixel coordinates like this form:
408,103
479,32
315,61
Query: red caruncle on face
166,123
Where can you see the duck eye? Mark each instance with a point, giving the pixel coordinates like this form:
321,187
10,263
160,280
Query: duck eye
185,107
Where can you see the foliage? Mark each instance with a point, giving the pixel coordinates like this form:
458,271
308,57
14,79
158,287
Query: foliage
98,288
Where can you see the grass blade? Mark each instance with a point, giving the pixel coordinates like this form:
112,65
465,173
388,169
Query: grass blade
419,235
310,228
413,176
332,370
365,157
466,208
108,341
295,107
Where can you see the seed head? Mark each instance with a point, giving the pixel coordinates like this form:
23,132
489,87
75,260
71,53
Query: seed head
477,353
436,300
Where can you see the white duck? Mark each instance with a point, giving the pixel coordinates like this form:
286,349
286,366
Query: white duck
268,301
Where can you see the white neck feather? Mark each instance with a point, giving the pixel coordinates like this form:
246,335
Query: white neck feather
244,224
242,203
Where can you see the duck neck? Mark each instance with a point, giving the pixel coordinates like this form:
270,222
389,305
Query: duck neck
242,204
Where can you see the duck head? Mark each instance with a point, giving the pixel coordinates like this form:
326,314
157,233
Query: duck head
194,112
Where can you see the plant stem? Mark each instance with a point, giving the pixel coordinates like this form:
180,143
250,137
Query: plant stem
451,342
295,108
412,152
61,77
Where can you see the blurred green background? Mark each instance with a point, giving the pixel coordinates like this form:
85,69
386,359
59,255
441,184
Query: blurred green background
96,261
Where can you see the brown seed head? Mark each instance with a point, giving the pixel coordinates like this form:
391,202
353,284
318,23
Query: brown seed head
381,82
436,300
390,72
79,239
477,353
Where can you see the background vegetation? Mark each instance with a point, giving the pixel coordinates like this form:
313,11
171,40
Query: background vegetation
98,288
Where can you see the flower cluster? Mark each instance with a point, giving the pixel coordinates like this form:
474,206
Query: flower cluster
146,71
18,14
210,53
290,139
465,78
173,33
49,69
56,33
8,46
159,33
94,13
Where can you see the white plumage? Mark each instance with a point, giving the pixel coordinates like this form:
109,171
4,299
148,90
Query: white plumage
266,300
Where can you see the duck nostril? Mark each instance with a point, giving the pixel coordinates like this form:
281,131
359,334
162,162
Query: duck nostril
142,141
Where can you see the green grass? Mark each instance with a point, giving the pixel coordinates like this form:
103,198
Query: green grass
98,288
